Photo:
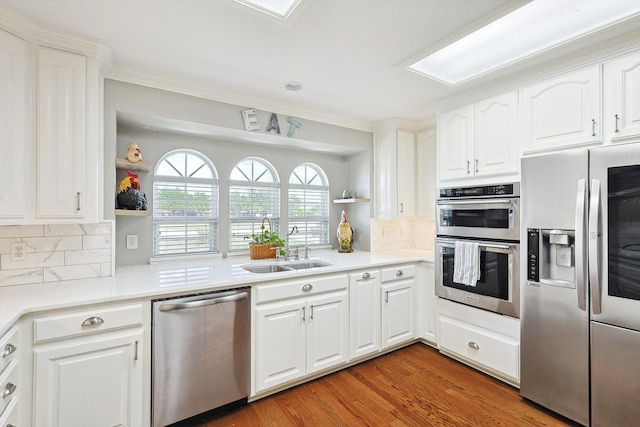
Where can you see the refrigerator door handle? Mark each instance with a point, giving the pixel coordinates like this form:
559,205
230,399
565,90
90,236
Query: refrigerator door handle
581,195
594,246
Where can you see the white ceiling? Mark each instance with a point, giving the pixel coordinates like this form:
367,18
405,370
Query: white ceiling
350,55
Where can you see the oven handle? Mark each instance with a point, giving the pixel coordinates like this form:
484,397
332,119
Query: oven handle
474,202
484,245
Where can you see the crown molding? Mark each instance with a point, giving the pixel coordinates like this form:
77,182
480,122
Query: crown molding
34,33
204,92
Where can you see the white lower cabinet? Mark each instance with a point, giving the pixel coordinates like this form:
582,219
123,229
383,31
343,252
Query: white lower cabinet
11,384
397,301
95,378
297,335
487,341
364,313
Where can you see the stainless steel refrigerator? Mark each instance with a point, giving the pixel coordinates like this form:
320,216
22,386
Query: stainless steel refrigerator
580,284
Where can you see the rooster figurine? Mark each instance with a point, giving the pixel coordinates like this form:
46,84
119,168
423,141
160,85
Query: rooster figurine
129,194
345,235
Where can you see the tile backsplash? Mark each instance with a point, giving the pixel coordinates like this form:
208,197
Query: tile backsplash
402,234
56,252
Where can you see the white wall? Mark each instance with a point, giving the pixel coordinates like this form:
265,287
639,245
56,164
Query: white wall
216,129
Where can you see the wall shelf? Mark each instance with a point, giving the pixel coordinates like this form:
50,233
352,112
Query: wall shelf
141,166
128,212
356,200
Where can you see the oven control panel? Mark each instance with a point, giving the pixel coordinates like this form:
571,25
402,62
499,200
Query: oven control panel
533,254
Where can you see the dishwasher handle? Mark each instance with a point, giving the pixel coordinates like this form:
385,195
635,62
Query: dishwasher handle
202,302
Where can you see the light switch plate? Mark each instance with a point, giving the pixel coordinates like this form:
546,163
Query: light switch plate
132,241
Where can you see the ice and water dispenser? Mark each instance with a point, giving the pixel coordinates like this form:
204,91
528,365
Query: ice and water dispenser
550,257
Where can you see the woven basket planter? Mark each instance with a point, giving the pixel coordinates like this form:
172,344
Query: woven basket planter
263,250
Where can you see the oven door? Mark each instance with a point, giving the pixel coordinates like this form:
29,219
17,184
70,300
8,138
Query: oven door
497,289
480,218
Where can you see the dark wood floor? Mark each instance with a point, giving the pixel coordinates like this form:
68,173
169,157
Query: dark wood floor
414,386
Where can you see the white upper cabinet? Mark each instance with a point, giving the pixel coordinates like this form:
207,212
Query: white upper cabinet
426,154
562,112
622,98
50,124
479,139
455,143
62,133
495,124
15,122
395,173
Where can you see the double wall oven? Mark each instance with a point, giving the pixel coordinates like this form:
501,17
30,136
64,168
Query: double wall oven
490,217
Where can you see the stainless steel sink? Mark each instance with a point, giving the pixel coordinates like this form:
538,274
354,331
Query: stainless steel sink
275,268
269,268
308,264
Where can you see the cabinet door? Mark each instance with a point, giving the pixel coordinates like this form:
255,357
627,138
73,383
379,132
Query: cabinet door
364,302
562,112
327,320
406,174
397,312
62,134
15,119
622,97
90,383
280,343
495,135
426,152
455,143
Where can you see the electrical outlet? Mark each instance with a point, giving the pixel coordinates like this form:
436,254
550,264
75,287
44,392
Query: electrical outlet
18,251
132,241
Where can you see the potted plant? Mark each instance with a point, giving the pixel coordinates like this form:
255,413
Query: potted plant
265,244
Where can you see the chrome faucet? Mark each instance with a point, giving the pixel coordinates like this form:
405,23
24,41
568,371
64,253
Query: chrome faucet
307,249
287,251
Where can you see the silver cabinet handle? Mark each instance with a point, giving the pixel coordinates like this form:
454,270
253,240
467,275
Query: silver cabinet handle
8,350
399,273
476,165
386,296
91,321
78,201
468,165
8,390
593,127
307,287
10,425
366,276
311,313
617,118
135,357
473,345
304,314
402,207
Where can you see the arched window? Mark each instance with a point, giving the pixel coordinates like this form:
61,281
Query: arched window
185,204
309,205
254,193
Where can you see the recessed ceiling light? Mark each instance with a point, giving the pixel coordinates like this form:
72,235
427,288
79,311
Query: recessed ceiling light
293,86
278,8
536,27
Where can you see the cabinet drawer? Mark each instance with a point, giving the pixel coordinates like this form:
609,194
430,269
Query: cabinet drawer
399,272
87,322
10,415
497,352
8,349
8,385
297,288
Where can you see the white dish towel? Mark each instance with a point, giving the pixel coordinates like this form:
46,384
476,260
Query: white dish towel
466,263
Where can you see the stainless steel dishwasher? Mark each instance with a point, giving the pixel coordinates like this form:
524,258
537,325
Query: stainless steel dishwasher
201,353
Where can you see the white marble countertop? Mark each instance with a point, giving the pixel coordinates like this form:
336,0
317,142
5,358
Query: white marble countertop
177,278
